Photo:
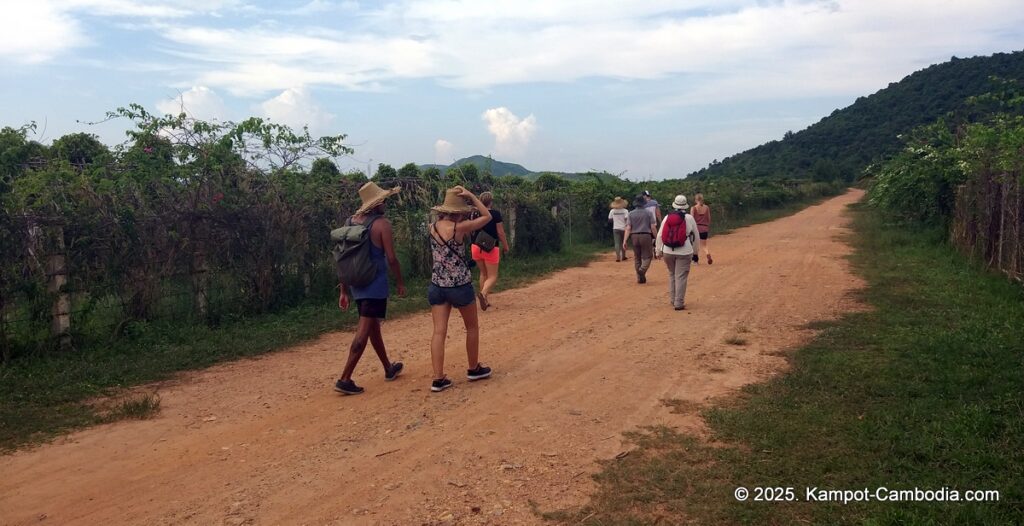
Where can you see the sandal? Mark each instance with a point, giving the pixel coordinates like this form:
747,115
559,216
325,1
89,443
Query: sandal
483,301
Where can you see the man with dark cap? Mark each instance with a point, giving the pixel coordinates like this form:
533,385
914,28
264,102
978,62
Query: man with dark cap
640,229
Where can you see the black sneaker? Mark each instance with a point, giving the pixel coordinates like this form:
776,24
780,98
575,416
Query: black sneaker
396,369
440,385
479,373
641,279
681,307
347,387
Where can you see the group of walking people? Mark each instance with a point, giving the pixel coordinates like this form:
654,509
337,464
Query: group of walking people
459,219
676,238
464,218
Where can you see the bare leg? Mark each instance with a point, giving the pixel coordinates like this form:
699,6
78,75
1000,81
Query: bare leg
469,317
378,344
483,273
491,271
440,314
355,351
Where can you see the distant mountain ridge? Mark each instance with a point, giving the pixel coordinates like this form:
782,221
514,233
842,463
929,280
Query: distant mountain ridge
842,144
496,168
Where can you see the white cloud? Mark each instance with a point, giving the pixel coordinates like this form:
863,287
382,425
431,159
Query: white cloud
511,134
199,102
296,108
33,31
735,48
443,151
37,31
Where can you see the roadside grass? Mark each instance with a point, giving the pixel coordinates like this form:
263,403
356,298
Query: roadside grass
924,390
724,225
140,407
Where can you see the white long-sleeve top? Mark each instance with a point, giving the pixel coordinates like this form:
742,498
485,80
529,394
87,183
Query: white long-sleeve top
692,244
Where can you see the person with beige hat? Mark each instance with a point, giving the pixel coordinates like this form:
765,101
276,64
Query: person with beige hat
618,217
451,281
372,299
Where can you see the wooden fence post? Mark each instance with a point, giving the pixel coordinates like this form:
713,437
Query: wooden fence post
512,226
57,278
200,284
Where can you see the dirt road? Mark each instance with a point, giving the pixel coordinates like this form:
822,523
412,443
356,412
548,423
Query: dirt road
579,358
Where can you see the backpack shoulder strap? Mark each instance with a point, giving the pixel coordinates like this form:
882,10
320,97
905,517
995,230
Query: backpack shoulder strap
447,244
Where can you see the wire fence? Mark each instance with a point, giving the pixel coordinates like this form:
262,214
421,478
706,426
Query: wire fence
988,221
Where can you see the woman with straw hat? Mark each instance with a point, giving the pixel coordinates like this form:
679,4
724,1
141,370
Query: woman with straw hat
618,216
451,282
372,299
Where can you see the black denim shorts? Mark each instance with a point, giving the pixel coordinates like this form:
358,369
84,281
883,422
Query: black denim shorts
457,296
372,308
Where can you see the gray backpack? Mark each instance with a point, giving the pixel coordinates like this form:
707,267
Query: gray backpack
352,253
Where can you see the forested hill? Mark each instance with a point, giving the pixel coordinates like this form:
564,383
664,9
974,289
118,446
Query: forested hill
484,165
844,143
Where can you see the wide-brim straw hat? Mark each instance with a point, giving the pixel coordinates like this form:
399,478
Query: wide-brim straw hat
619,202
453,203
680,203
373,195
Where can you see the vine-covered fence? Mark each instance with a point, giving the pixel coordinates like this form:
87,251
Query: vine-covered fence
192,222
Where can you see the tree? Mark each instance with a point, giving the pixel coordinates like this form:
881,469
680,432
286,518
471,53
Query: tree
409,171
324,169
79,149
431,174
385,172
16,154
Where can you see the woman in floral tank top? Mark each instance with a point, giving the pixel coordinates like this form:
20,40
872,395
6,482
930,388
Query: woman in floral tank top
451,282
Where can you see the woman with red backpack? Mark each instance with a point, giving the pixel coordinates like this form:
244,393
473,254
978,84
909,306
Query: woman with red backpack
678,243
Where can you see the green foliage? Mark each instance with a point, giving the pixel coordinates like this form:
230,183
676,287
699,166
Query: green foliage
385,173
920,182
868,131
409,171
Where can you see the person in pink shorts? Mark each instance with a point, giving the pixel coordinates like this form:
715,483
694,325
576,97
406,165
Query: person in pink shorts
487,261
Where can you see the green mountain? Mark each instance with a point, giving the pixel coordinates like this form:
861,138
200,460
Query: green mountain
501,169
484,165
844,143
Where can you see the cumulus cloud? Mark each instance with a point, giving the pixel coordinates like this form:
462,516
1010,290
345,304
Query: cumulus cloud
199,102
443,151
511,134
296,107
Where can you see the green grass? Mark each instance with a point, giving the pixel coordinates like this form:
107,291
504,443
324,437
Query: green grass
138,407
925,390
724,225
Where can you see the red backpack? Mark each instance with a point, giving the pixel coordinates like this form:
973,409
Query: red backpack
674,234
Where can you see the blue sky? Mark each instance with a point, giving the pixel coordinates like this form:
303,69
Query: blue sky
654,88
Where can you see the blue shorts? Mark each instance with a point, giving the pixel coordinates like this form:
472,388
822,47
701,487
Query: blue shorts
460,296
